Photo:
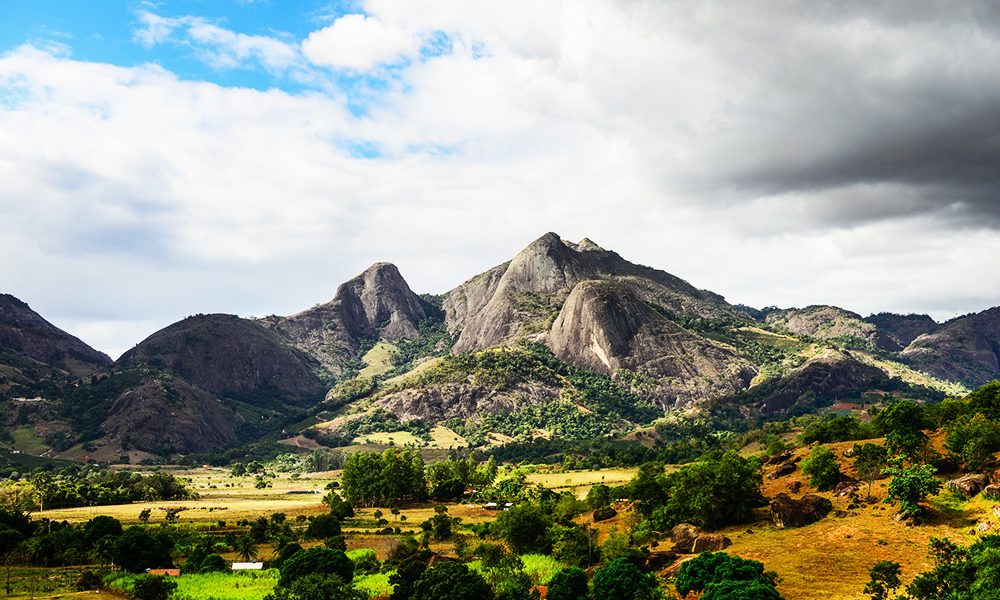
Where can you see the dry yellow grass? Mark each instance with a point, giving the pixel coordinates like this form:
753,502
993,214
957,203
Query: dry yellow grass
579,482
239,501
395,438
446,438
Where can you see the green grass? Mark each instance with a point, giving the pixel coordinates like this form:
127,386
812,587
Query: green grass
26,440
248,585
378,360
541,567
376,584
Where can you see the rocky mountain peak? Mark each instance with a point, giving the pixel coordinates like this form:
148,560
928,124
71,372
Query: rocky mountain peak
24,332
380,302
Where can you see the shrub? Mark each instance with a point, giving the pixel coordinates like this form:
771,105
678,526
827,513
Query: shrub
454,581
525,527
910,485
713,568
622,579
821,468
568,584
717,491
152,587
316,561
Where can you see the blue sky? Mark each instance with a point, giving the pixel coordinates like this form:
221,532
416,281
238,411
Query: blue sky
160,159
105,31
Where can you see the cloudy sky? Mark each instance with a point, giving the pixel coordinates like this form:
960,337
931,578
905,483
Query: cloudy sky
160,159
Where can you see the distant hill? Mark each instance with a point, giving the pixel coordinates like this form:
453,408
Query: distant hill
566,339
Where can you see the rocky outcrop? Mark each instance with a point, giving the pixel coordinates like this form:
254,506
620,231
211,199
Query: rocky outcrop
831,376
25,334
710,542
231,358
902,329
604,326
782,470
992,491
166,415
517,300
683,537
376,304
788,512
968,485
965,349
831,323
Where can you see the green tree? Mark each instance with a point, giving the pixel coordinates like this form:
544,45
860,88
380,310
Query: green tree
883,579
622,579
575,545
525,527
319,560
717,491
741,590
903,423
870,463
316,587
910,485
599,496
821,468
152,587
135,550
986,400
405,577
454,581
568,584
246,547
975,438
711,569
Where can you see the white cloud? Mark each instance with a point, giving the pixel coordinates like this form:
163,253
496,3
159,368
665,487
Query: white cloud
664,131
357,42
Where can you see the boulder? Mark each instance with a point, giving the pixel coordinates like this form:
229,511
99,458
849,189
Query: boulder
794,487
788,512
780,457
981,528
846,487
683,537
968,485
992,491
673,570
996,509
657,561
785,468
710,542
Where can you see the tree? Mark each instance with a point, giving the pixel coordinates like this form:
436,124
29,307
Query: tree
135,550
322,527
709,570
339,508
213,563
986,400
902,423
152,587
525,527
440,524
741,590
246,547
599,496
883,579
975,438
10,542
144,515
719,490
454,581
568,584
405,578
575,545
870,463
911,485
821,468
316,561
389,478
316,587
622,579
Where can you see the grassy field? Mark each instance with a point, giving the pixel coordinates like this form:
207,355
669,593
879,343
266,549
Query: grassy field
221,497
378,360
395,438
580,482
26,440
246,585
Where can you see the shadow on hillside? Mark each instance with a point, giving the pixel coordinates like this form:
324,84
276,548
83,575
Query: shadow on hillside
948,508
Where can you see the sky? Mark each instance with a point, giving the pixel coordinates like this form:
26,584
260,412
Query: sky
163,159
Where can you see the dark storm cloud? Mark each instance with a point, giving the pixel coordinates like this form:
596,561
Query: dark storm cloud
900,96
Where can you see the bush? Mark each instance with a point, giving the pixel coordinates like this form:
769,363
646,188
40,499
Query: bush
316,561
454,581
213,563
88,580
910,485
717,491
568,584
710,569
152,587
525,527
622,579
365,560
821,468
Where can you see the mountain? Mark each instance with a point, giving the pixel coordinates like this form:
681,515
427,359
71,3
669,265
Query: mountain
965,349
522,298
27,340
605,326
902,329
832,323
231,358
378,303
